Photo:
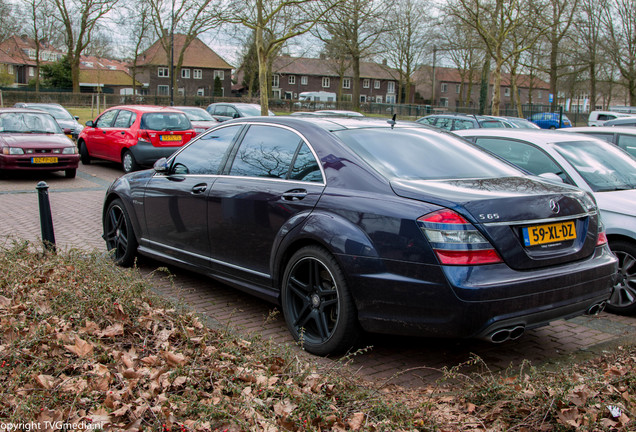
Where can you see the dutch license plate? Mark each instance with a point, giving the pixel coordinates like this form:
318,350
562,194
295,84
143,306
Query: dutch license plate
43,160
170,137
550,233
70,136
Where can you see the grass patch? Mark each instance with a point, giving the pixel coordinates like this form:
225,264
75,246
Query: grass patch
87,343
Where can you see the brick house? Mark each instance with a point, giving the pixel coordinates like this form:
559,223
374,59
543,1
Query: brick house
101,75
201,65
448,84
17,57
294,75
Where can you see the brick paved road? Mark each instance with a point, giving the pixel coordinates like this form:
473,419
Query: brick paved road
76,208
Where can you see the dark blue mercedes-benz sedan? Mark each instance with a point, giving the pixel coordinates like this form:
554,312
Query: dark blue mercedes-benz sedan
355,224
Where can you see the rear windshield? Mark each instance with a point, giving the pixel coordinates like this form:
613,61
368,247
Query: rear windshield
603,166
197,114
418,155
58,112
165,122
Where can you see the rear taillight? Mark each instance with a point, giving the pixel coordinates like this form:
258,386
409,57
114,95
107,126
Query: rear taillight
602,238
142,135
455,240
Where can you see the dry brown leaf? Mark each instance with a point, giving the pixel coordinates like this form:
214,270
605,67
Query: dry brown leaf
90,328
151,360
116,329
179,381
4,301
81,348
45,381
174,359
74,385
570,417
355,422
284,408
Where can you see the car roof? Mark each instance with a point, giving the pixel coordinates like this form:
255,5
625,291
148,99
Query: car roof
606,129
537,136
332,123
28,110
147,108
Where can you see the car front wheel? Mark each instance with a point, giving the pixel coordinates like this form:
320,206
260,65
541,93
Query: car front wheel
318,308
623,299
119,234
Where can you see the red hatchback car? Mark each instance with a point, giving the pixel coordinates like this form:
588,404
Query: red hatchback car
32,140
135,135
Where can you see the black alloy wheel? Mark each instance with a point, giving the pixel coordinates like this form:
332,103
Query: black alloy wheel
318,308
623,299
119,235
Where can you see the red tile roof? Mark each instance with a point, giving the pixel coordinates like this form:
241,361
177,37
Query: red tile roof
197,54
328,67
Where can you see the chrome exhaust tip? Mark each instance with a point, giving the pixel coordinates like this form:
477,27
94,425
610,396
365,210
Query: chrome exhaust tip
595,309
506,334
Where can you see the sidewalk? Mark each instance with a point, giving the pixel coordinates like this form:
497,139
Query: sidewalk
76,206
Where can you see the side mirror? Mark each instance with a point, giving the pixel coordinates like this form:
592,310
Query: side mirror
552,177
90,123
236,115
76,117
161,166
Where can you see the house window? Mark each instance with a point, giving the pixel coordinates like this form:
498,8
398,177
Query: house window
326,82
347,97
443,102
539,95
275,81
181,91
390,99
163,90
163,72
291,79
185,73
444,87
376,84
458,88
220,74
366,83
31,71
31,53
197,74
390,88
363,98
304,80
378,99
346,83
200,91
10,69
507,91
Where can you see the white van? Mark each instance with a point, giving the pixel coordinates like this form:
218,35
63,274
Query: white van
597,118
311,99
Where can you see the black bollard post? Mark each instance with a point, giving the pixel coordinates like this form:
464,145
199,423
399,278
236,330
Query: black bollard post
46,221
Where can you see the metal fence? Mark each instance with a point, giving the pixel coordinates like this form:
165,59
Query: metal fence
101,101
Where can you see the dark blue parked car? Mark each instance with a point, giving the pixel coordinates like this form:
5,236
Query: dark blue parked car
549,120
353,224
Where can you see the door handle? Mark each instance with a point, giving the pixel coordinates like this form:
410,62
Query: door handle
123,133
200,188
295,194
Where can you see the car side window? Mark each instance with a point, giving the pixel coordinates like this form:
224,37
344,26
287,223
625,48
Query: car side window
206,154
627,143
444,123
428,120
124,119
106,119
305,166
266,151
463,124
231,112
524,155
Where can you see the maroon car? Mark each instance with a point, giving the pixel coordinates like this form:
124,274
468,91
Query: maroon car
32,140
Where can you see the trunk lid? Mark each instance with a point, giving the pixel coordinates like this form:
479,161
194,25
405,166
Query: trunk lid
530,222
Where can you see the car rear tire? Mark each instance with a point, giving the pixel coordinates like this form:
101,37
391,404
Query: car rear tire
552,127
318,308
83,151
120,238
623,299
70,173
128,162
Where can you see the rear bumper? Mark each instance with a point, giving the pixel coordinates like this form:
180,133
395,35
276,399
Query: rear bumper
24,162
147,154
445,301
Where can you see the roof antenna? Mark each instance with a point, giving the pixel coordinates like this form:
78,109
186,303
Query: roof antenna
392,121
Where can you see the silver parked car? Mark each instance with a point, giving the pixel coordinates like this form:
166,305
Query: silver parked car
596,166
624,137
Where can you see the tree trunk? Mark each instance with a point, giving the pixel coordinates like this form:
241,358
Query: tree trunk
483,91
496,90
75,72
554,70
592,106
356,83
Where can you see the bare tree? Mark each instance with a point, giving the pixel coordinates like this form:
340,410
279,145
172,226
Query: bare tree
556,20
494,21
79,20
41,27
274,22
357,25
10,24
189,18
619,19
404,45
